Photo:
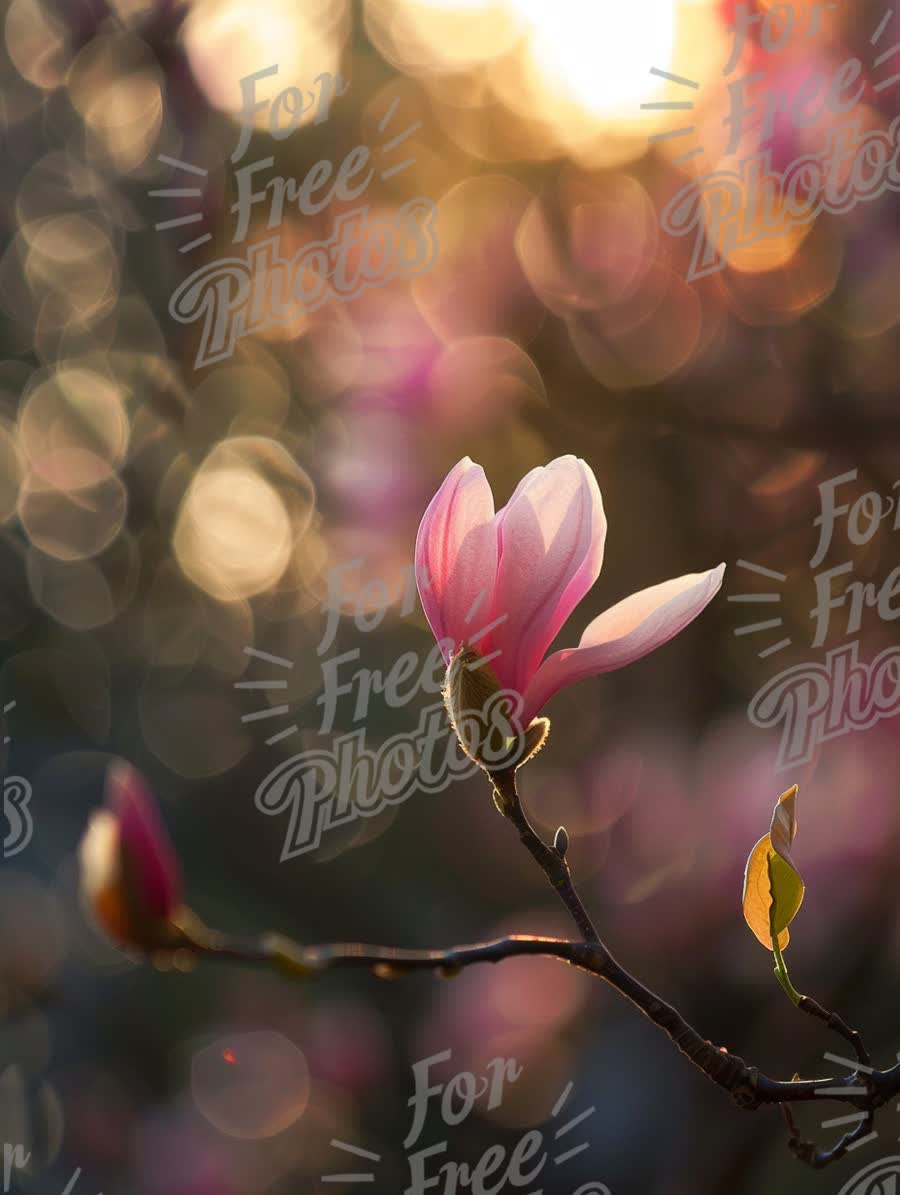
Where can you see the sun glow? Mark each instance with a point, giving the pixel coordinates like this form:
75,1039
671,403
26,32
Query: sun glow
599,54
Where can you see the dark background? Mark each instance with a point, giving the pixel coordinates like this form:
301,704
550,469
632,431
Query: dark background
158,518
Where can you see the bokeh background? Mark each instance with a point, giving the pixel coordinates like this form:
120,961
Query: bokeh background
158,519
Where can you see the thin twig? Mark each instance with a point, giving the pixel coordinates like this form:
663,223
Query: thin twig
808,1152
747,1087
750,1089
839,1026
553,865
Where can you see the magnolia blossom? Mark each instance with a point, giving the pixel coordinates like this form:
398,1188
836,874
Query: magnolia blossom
130,877
503,584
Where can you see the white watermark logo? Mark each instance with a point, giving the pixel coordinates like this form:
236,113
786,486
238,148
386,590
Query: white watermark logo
879,1178
816,701
323,788
15,1159
498,1169
16,813
235,296
729,209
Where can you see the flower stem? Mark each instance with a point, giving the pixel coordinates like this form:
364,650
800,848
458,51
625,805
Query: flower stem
551,862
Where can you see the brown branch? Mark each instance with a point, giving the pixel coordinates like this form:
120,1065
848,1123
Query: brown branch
808,1152
743,1082
866,1092
729,1071
839,1026
552,862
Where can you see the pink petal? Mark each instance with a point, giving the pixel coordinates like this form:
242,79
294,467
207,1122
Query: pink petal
627,631
526,481
456,557
551,534
150,860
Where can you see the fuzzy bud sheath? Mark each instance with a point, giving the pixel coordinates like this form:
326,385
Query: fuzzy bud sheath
484,717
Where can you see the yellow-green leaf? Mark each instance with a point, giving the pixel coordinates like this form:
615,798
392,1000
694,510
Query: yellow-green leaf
773,888
787,893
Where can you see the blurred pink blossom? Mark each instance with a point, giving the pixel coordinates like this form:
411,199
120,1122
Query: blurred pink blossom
130,876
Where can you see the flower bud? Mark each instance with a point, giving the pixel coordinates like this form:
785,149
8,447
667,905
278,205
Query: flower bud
130,878
472,695
486,717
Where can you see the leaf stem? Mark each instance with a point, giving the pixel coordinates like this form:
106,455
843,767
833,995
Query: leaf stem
781,972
